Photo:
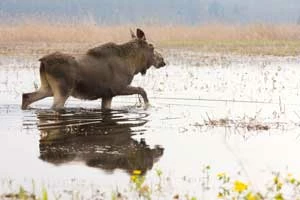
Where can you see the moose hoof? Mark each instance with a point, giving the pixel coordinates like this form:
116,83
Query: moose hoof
23,107
58,110
24,101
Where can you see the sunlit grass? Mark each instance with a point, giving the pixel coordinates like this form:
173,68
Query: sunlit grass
257,39
244,47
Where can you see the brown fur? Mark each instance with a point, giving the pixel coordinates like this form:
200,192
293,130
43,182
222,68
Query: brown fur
57,58
103,72
111,49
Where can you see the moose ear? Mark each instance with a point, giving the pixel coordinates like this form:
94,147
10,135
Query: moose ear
132,34
140,34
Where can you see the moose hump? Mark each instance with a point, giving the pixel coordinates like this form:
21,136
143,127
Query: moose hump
57,58
106,50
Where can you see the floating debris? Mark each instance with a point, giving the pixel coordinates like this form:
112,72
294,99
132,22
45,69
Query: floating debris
251,124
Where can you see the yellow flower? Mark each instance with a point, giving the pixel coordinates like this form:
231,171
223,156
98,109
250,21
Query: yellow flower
220,195
240,186
221,175
291,179
137,172
278,197
279,185
133,178
251,196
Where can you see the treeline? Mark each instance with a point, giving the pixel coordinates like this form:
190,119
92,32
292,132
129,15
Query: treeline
152,11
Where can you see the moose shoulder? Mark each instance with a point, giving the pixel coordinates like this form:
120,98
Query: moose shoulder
103,72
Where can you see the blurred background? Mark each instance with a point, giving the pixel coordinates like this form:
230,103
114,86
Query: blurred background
247,27
191,12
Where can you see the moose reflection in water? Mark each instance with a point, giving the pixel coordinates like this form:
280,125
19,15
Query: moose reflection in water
97,138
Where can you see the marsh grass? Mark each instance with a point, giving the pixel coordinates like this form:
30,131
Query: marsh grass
245,123
224,186
47,32
262,39
22,194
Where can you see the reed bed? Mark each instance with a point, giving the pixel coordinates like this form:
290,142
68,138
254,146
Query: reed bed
46,32
255,38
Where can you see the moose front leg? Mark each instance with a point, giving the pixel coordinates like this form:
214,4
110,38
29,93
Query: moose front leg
129,90
106,103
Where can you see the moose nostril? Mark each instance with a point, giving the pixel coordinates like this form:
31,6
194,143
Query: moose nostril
162,64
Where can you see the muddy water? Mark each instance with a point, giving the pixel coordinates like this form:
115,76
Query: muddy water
85,146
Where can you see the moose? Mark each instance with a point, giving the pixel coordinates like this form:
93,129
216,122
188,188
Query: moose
102,72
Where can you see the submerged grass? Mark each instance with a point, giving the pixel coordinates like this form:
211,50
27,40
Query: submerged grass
258,39
250,124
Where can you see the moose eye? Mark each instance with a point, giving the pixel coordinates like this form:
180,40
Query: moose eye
151,46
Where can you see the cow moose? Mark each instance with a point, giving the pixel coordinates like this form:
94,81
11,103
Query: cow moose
102,72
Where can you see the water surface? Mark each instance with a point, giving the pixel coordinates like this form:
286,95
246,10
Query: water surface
86,146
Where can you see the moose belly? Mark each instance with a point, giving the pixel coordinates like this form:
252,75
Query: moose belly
90,91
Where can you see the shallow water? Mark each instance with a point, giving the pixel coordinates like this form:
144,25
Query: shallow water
85,145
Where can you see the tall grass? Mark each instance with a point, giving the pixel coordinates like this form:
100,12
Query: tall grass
89,33
34,37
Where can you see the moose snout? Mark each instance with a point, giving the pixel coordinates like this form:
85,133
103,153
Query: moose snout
162,64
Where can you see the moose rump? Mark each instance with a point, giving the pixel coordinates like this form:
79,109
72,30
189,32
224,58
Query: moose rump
103,72
57,75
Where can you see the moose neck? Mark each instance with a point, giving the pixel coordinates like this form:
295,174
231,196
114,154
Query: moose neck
137,61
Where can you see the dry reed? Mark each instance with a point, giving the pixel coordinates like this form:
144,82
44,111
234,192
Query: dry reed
253,38
46,32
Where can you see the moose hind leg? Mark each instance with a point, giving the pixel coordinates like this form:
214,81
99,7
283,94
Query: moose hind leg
29,98
136,90
60,92
59,102
44,90
60,96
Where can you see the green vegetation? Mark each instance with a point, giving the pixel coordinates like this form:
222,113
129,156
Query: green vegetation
22,194
219,186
